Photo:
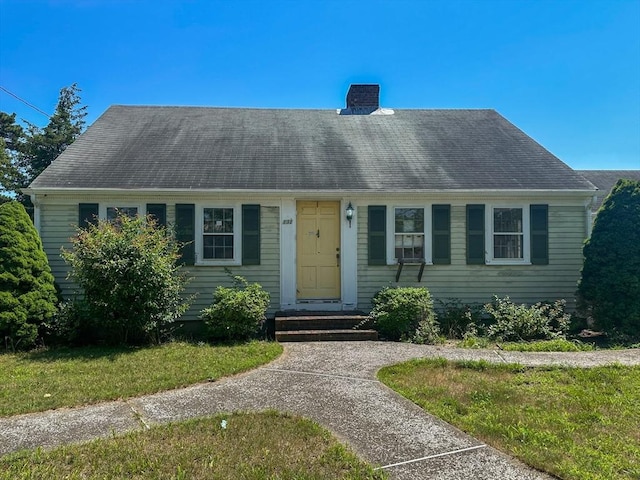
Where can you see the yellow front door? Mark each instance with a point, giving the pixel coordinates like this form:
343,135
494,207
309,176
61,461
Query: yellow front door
318,234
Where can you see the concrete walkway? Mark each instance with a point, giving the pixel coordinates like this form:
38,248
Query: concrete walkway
333,383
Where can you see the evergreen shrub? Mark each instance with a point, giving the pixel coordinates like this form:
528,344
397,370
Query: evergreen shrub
28,297
609,288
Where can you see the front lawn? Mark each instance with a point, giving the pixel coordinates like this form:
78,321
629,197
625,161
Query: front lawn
573,423
41,380
250,446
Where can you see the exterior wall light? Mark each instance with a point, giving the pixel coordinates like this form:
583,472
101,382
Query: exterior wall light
349,213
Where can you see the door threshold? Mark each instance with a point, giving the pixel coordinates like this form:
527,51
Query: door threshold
318,300
322,305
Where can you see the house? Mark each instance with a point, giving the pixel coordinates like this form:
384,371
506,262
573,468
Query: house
325,207
604,180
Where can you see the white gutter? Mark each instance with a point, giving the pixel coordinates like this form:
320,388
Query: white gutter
311,193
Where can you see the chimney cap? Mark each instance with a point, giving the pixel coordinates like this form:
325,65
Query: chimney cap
363,95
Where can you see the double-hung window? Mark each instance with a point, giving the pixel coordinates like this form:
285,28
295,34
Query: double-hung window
214,234
114,212
218,234
508,233
409,236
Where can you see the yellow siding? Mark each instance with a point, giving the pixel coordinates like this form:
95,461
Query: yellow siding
478,283
469,283
58,223
57,226
205,279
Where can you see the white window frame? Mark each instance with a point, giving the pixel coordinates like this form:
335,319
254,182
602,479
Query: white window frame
102,208
391,233
489,236
237,235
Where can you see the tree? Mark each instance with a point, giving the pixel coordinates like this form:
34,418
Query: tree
11,140
27,152
132,284
609,290
28,296
43,146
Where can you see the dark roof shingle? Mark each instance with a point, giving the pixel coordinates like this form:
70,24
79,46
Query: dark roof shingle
138,147
605,180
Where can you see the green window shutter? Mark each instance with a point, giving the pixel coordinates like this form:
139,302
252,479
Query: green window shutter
441,234
251,234
377,241
186,231
159,212
539,219
87,214
475,235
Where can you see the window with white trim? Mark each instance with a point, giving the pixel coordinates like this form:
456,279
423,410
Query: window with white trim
507,237
218,235
508,233
409,234
112,213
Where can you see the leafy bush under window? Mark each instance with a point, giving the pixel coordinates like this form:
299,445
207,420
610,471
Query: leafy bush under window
132,284
458,319
542,321
405,313
237,312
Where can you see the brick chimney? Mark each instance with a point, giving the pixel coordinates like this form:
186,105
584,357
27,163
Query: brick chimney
363,96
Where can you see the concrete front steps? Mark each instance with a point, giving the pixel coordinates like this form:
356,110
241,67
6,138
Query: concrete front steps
299,326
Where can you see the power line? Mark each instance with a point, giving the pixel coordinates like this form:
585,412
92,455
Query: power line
25,102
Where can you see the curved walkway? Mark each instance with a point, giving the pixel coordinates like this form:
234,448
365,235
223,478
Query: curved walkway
333,383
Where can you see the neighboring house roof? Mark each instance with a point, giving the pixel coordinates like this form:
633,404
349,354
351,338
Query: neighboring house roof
605,180
146,147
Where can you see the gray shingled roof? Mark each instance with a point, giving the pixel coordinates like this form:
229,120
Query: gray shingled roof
605,180
141,147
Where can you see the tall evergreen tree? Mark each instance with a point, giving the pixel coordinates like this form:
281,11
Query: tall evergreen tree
609,290
44,145
11,141
28,151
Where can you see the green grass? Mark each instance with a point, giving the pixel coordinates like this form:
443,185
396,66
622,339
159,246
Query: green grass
252,446
573,423
42,380
557,345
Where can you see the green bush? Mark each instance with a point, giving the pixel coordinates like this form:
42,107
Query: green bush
237,312
74,325
398,312
457,319
130,278
542,321
427,332
28,295
609,290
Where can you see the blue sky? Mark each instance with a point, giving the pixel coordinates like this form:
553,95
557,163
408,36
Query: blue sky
566,72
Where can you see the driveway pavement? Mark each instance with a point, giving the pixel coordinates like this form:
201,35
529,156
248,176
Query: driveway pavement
333,383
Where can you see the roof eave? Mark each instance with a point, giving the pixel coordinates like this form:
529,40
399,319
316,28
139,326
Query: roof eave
307,193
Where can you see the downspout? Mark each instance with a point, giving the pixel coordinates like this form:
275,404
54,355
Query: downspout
589,214
36,212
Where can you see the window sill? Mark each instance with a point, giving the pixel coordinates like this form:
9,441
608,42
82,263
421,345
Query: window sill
507,262
416,262
218,263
